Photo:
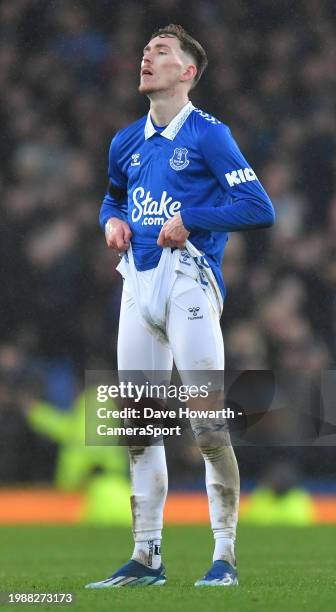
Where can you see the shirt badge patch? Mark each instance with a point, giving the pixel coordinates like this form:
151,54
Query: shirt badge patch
179,160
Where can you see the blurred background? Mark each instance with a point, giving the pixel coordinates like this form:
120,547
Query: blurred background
68,76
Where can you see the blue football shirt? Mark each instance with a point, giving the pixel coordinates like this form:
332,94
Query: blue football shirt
192,166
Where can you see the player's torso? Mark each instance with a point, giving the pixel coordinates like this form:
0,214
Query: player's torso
165,176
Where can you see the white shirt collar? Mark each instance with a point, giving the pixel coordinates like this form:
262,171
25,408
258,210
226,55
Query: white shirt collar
173,127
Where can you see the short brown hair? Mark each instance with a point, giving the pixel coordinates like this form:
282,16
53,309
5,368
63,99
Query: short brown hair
188,45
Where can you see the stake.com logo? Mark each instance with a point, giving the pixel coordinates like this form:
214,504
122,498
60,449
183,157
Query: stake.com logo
153,212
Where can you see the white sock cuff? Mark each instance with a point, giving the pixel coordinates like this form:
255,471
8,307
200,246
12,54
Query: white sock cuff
223,534
144,536
224,550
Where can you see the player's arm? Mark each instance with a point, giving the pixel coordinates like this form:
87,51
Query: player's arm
113,212
248,207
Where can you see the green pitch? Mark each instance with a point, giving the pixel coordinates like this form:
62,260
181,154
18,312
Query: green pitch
281,569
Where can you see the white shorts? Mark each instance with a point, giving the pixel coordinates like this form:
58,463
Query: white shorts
168,314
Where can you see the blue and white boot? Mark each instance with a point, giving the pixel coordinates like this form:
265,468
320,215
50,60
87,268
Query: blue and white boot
132,574
222,574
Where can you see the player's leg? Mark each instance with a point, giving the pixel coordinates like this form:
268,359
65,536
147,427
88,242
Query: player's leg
197,344
139,350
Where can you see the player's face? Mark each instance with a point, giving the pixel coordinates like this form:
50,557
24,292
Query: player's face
162,66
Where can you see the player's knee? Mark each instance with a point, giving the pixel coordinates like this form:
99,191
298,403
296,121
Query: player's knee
136,452
213,453
211,435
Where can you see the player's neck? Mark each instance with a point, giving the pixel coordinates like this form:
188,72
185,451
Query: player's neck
164,110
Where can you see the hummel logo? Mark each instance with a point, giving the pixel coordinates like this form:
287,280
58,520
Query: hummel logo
135,159
194,310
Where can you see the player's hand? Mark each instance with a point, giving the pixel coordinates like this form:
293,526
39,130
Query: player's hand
173,233
117,234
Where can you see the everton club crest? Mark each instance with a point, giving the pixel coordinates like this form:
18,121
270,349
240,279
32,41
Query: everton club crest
179,160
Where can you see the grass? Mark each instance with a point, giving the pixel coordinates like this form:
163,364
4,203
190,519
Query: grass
285,569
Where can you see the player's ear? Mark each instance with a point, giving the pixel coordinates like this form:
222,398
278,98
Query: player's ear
189,73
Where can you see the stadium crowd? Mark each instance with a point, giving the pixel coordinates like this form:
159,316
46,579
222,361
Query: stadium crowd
68,77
